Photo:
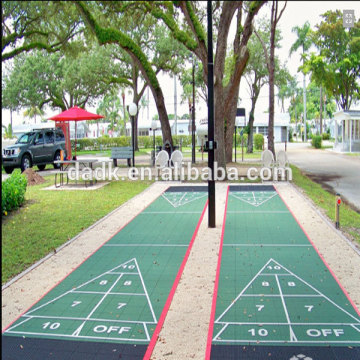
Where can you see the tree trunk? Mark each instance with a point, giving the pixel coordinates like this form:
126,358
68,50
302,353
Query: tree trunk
219,120
321,120
230,127
251,130
163,116
271,68
271,103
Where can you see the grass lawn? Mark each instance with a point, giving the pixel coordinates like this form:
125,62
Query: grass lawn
50,218
349,219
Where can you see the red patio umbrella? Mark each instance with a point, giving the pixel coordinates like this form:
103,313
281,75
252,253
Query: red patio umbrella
75,114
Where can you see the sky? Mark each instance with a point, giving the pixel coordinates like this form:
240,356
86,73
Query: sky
296,14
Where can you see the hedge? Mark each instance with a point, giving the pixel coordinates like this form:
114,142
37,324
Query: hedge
258,141
13,192
106,142
316,141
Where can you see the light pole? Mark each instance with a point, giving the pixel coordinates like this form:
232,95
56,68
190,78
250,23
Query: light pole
132,112
153,128
211,138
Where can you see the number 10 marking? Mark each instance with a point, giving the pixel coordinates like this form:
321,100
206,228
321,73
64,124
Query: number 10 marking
261,332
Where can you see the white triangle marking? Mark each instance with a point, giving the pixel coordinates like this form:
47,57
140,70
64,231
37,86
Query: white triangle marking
292,334
256,200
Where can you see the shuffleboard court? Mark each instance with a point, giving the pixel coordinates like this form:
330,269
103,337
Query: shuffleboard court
274,297
113,305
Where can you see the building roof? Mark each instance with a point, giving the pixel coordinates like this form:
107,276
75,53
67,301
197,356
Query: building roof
262,119
347,115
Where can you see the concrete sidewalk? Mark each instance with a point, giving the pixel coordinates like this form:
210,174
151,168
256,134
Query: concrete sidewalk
189,312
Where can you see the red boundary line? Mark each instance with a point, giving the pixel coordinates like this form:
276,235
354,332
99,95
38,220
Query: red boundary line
160,323
321,257
213,307
60,281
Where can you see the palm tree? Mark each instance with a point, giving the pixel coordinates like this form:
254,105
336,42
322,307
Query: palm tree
303,41
32,112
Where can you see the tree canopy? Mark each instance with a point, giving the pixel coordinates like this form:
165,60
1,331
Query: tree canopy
59,81
336,66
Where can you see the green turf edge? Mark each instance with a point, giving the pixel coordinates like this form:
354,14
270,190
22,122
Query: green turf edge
325,201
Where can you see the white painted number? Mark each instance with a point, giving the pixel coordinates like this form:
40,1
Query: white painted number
290,283
128,266
52,326
75,303
276,267
120,305
260,307
265,283
103,282
309,307
261,332
127,283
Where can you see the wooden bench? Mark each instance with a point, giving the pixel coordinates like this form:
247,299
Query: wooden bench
124,152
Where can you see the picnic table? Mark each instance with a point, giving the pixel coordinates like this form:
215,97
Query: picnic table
66,165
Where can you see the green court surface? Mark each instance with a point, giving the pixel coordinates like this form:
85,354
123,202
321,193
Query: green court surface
275,294
110,306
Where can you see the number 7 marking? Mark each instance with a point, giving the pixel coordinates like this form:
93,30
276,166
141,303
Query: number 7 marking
309,307
75,303
260,307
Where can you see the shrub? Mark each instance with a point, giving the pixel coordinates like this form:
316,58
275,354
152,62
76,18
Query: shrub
316,141
13,192
258,141
238,140
325,136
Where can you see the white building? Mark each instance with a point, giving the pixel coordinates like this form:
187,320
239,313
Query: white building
281,126
347,131
181,127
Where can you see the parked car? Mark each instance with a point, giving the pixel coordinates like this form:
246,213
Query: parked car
38,147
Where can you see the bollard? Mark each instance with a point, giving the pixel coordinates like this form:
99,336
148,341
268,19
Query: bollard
62,155
337,211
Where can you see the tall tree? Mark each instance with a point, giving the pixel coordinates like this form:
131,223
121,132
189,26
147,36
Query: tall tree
304,42
270,62
33,112
256,73
106,34
185,19
337,65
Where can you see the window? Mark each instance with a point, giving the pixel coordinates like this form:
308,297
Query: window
25,139
49,137
263,130
39,139
60,136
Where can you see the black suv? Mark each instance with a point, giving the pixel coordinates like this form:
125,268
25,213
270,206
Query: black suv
38,147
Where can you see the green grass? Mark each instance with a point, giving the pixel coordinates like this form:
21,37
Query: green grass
349,219
50,218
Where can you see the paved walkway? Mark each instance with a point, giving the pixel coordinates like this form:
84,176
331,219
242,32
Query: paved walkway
336,172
